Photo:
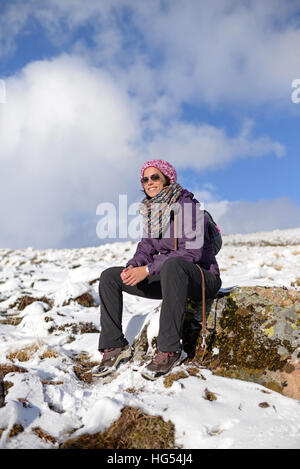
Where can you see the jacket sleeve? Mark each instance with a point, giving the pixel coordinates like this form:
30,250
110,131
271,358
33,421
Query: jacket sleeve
143,254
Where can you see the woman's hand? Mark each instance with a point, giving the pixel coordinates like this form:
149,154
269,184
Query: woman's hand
133,275
124,272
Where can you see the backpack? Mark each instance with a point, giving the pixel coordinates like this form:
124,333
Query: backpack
214,233
213,229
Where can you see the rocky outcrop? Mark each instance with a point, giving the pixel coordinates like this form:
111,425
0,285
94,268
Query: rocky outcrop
253,335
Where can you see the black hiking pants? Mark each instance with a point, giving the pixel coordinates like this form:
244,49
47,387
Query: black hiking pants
178,280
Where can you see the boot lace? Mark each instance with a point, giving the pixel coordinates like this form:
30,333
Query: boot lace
162,356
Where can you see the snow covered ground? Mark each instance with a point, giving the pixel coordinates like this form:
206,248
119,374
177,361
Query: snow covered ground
49,401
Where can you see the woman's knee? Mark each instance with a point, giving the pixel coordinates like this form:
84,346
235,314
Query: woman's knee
110,273
173,263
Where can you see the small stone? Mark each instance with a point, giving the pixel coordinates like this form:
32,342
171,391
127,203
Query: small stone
264,405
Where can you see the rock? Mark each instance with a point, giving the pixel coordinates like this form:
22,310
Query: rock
81,292
253,334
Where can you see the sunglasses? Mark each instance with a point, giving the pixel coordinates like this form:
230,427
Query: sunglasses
153,177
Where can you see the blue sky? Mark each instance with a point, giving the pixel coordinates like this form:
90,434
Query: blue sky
94,89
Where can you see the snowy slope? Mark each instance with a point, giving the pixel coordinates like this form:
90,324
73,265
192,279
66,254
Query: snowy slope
49,400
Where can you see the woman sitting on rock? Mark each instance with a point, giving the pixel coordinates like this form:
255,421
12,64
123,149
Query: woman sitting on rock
164,266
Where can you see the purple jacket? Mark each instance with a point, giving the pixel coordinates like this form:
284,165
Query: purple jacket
154,251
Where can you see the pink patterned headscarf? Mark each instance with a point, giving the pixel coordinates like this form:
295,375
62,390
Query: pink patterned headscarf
164,166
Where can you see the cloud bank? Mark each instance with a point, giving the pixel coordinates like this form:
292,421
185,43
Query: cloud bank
218,52
77,127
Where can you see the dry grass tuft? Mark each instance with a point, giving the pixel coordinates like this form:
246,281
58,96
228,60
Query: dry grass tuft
11,320
84,328
83,367
24,354
264,405
5,369
28,300
209,395
85,300
194,371
296,283
133,430
50,382
49,354
15,430
274,266
43,435
169,380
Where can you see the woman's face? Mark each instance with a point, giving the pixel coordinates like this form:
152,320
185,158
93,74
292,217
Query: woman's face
153,187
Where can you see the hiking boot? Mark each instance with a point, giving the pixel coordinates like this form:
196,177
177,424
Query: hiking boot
112,358
162,363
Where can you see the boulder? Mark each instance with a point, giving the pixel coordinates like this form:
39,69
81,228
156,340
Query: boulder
253,334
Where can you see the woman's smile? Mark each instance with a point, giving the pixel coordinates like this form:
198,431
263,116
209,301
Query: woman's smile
153,188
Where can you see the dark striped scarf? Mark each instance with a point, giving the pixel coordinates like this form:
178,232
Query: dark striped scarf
157,210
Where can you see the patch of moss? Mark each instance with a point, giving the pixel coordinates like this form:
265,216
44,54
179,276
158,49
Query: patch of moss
252,375
270,331
273,385
133,430
289,368
242,331
239,343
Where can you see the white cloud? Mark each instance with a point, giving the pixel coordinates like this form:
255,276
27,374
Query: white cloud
213,52
242,216
67,134
225,52
71,138
203,146
12,20
75,132
249,217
